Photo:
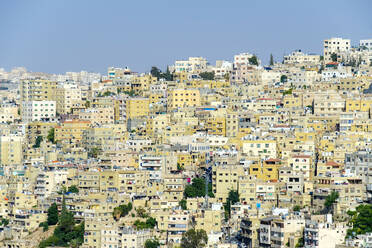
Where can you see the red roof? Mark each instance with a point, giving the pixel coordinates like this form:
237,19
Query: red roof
333,164
273,160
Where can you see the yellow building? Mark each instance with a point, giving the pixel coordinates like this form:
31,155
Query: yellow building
68,96
38,90
98,115
137,107
71,131
225,178
142,83
184,160
179,98
157,124
35,129
180,77
11,150
303,164
216,126
292,101
156,98
104,137
353,84
358,104
209,220
268,170
8,113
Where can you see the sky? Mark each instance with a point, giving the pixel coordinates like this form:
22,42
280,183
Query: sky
56,36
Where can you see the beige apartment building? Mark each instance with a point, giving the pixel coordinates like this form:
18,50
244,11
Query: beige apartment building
11,150
179,98
335,45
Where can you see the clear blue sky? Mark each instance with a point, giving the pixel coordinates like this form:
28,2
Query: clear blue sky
71,35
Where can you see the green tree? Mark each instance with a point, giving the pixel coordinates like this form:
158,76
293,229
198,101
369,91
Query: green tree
141,212
330,200
283,78
150,223
152,243
232,198
194,239
74,243
51,135
271,59
122,210
300,242
180,167
44,225
4,222
197,188
52,214
226,76
183,204
130,93
207,75
361,220
167,75
155,72
73,189
65,225
94,152
51,241
288,92
38,141
253,60
297,208
321,69
87,104
334,57
66,232
108,93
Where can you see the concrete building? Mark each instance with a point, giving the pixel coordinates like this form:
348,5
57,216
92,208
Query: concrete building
11,150
366,44
38,110
298,57
194,65
359,164
320,232
335,45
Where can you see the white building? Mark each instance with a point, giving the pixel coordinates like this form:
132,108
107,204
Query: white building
113,72
298,57
335,45
222,67
323,233
334,73
38,110
192,65
366,43
68,96
361,240
243,59
304,77
154,164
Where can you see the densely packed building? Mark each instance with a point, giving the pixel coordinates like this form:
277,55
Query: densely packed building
253,155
